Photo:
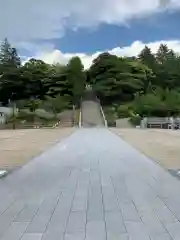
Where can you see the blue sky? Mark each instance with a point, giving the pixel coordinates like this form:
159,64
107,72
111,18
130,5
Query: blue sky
56,30
158,27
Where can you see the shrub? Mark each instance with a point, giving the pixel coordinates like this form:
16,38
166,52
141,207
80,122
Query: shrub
148,105
110,115
56,104
135,120
123,111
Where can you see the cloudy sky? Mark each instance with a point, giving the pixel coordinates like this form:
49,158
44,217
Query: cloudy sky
55,30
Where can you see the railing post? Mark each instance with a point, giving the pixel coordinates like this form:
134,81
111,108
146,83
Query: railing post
80,114
104,118
102,112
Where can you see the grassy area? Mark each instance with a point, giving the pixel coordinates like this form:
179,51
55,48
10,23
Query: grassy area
26,119
26,125
110,115
123,111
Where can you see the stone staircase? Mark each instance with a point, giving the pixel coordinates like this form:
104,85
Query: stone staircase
66,119
91,115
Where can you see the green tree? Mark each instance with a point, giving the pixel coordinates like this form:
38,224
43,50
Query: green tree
58,83
118,79
33,104
57,104
76,78
147,58
36,74
103,77
9,58
168,63
149,105
137,78
164,54
11,86
172,102
9,72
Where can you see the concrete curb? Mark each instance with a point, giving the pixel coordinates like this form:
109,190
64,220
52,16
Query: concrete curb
3,173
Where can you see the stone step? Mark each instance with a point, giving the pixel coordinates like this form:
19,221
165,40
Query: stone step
91,114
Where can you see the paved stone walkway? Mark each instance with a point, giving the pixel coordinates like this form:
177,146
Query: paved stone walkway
91,114
91,186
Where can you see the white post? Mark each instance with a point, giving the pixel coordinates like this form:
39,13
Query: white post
80,119
102,112
104,118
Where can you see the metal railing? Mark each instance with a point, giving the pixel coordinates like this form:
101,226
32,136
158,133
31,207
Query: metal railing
160,122
104,118
80,114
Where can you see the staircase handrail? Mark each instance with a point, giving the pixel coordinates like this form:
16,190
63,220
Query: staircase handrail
102,112
80,114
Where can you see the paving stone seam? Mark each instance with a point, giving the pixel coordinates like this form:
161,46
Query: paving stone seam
99,173
87,207
71,202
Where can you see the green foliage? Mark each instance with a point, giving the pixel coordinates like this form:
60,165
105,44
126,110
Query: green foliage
111,116
172,102
9,58
20,104
160,103
56,104
135,120
123,111
76,78
118,79
58,83
147,58
35,75
164,54
25,118
151,82
147,105
35,79
33,104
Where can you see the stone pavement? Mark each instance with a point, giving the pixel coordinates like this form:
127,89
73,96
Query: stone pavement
90,186
91,114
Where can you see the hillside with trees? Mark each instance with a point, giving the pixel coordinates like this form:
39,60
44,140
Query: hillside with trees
36,80
146,85
38,85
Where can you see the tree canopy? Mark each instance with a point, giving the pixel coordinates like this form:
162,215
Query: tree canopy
150,80
38,80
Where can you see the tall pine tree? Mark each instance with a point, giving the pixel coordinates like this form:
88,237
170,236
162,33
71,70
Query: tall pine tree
76,77
163,54
10,83
147,58
9,58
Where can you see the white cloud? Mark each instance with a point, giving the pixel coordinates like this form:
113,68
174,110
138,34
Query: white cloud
22,20
25,22
56,56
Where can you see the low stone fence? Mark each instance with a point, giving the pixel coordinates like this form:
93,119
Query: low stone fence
161,122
